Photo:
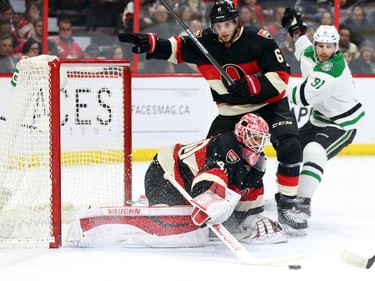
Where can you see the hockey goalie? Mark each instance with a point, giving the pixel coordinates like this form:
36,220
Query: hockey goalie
223,175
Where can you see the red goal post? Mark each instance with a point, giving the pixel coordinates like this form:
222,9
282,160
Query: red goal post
66,146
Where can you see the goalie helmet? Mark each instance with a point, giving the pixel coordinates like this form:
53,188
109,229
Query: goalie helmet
252,132
327,34
223,11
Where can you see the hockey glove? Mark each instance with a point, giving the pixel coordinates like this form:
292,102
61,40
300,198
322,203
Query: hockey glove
257,229
292,20
245,88
143,43
214,205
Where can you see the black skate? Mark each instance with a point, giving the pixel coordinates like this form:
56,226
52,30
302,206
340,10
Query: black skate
291,221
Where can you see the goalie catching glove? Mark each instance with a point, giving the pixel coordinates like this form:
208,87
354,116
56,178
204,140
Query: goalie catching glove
214,205
143,43
292,20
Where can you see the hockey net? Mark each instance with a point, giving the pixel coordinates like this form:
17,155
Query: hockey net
66,146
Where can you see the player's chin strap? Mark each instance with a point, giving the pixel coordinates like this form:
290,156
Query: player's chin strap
228,239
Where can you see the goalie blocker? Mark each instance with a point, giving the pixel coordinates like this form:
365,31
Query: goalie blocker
137,226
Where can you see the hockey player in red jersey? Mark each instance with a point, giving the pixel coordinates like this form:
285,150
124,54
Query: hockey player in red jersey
224,175
251,57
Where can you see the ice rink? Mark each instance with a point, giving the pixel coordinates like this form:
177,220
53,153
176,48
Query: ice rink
343,218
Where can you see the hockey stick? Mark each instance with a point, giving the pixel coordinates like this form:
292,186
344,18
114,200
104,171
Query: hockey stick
355,260
227,238
283,36
198,44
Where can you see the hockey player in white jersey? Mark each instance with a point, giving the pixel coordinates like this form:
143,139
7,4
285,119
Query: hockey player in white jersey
327,87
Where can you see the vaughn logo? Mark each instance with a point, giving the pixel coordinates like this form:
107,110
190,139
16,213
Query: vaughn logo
124,211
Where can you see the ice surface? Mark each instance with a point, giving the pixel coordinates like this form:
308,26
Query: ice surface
343,218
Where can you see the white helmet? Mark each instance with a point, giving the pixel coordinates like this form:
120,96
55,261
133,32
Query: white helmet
327,34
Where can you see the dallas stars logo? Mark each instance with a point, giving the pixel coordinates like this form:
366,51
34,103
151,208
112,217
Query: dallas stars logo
327,66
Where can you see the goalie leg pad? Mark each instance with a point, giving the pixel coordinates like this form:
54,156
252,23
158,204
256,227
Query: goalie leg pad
156,226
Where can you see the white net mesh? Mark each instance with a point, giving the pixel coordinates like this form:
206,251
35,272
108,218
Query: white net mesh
92,146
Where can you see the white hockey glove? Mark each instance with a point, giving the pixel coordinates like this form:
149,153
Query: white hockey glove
215,205
257,229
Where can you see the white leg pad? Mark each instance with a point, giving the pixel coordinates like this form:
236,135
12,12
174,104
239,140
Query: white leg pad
141,226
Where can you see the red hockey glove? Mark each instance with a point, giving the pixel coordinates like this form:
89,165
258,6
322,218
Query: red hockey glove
292,20
215,205
246,87
142,42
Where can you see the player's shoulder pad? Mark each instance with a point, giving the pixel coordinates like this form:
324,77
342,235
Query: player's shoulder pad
333,66
257,33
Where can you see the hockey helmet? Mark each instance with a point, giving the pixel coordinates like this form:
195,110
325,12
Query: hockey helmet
327,34
253,132
222,11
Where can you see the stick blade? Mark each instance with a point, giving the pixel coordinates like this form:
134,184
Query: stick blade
354,259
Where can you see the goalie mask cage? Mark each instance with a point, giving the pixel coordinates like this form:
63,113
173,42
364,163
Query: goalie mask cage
66,146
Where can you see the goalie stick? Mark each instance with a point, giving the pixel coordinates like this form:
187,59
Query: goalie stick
355,260
229,240
198,44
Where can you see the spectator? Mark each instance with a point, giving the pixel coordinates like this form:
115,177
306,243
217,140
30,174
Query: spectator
246,16
115,52
186,14
92,51
347,56
6,29
66,46
164,28
6,12
361,28
345,44
275,26
32,48
257,11
7,59
310,31
24,25
365,63
145,18
312,12
197,7
38,36
326,18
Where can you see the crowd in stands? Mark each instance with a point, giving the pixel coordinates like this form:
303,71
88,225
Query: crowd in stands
22,33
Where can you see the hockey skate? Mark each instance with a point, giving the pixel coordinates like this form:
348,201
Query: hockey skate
257,229
302,206
291,221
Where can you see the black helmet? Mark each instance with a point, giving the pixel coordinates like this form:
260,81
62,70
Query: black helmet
223,11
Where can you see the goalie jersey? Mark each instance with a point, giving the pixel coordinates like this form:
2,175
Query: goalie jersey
197,165
328,87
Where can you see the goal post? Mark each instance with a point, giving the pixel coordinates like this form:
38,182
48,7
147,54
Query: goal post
66,146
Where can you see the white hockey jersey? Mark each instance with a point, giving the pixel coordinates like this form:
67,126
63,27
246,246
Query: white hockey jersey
328,87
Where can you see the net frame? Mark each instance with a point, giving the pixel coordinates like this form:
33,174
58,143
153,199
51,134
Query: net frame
55,150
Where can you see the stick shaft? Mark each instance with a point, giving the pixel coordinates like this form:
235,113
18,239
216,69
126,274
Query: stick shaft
198,44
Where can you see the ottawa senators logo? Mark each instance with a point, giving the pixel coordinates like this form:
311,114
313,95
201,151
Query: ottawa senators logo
232,157
265,34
